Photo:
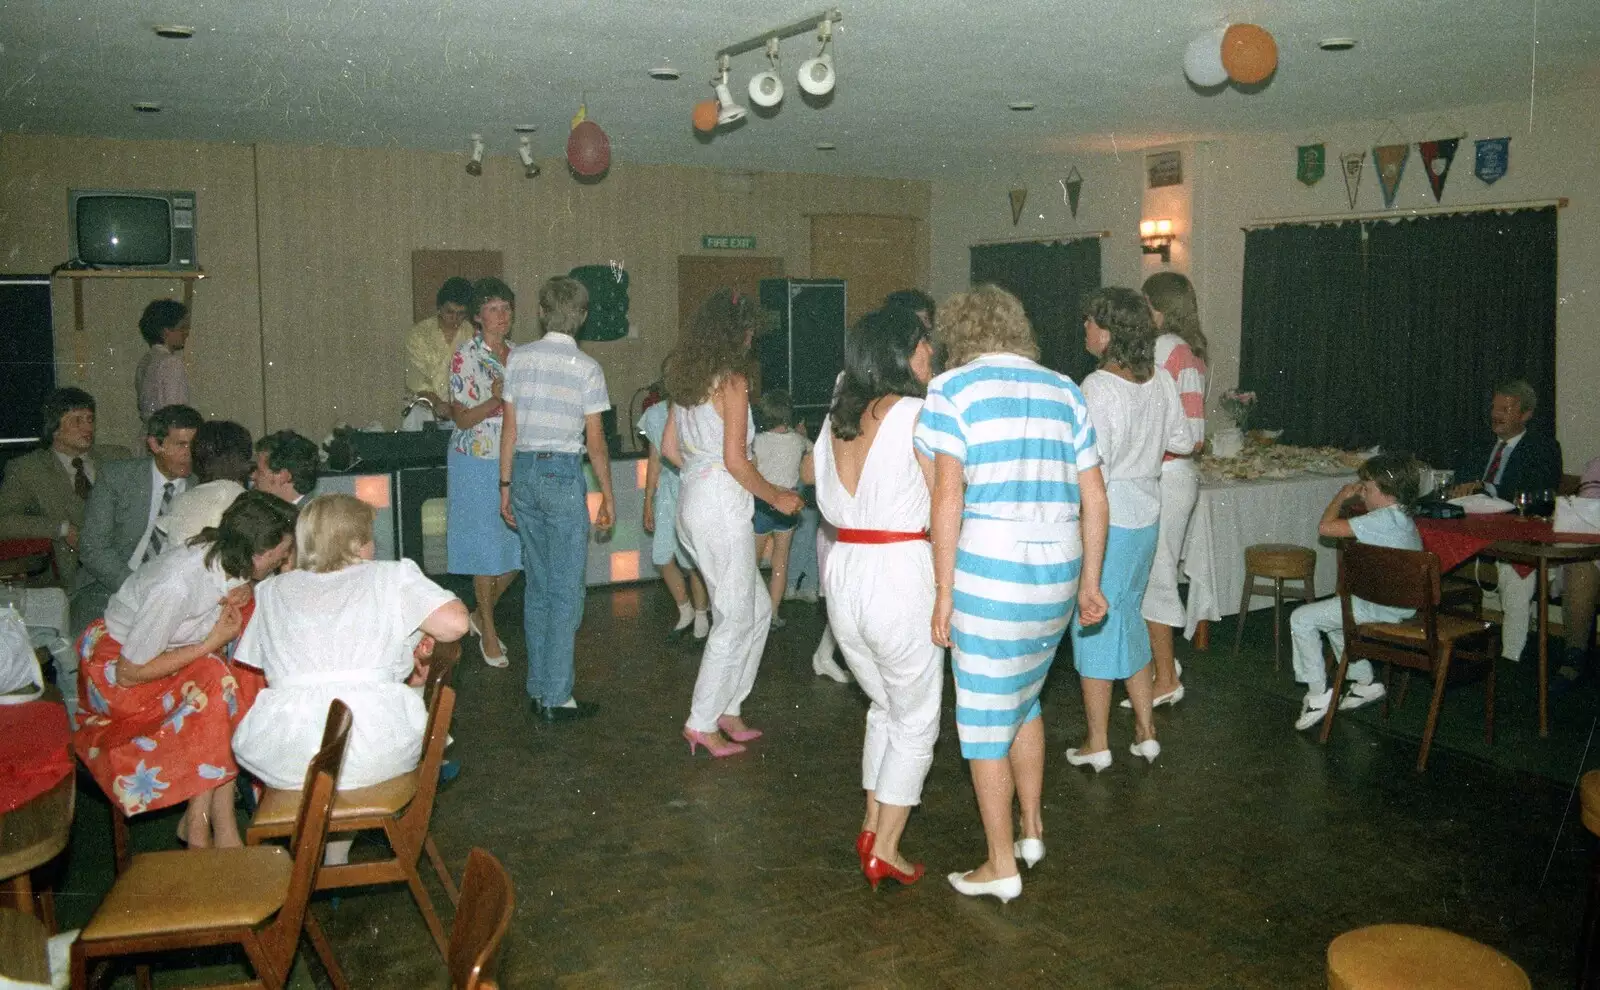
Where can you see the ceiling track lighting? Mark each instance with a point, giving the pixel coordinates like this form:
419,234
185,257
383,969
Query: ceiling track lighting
475,163
530,168
766,88
816,74
728,111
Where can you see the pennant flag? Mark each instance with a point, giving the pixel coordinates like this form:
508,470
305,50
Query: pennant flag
1437,157
1493,159
1391,162
1312,163
1018,197
1353,162
1072,185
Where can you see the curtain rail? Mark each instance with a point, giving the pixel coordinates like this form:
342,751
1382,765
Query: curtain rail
1426,211
1080,235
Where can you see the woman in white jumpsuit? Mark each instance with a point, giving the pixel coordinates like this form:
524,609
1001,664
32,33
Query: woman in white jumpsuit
879,577
708,435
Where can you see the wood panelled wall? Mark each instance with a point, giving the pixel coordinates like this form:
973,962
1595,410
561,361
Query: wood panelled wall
322,290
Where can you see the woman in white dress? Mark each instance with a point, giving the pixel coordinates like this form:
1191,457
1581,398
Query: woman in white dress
341,625
874,489
708,435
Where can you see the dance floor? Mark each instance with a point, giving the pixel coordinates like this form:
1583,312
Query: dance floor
1230,863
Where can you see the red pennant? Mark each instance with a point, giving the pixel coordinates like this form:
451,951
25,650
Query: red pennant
1437,157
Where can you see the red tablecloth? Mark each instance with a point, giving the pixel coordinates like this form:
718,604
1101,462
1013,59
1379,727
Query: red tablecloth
35,751
1455,541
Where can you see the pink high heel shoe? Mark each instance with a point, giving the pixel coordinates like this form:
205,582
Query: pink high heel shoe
737,735
709,741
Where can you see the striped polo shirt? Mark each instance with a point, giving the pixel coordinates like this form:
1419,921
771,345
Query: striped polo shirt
553,387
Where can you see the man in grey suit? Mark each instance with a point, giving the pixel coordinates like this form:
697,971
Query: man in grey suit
44,491
119,520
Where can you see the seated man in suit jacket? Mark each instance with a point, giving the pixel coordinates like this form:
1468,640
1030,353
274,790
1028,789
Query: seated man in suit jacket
119,520
1520,460
44,491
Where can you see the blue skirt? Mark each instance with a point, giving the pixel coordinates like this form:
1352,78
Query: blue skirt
479,541
1119,647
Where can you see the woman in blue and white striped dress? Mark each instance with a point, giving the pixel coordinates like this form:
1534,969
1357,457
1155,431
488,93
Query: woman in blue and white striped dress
1019,529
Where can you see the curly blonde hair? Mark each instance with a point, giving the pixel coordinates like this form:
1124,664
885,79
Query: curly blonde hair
712,346
331,531
986,320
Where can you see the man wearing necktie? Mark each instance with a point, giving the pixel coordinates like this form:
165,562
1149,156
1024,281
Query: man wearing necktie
127,498
1521,459
43,495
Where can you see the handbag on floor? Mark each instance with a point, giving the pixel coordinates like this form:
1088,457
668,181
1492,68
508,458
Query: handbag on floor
1577,515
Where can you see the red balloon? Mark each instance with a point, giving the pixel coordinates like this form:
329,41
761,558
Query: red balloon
588,149
705,115
1249,53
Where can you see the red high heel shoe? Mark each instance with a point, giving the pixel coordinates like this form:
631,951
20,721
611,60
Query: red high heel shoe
877,870
864,843
709,741
737,735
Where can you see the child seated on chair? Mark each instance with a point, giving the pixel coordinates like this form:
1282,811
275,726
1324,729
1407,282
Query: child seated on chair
1388,487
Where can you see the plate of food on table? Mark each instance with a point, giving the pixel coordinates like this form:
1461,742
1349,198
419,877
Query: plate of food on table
1274,461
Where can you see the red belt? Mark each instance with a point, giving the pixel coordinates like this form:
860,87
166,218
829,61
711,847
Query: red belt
878,536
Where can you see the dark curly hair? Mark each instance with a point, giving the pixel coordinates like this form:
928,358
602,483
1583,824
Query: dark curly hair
713,346
1125,315
255,523
877,362
222,451
159,317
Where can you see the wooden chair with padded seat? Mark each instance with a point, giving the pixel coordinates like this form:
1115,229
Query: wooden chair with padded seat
482,916
256,898
1277,563
1429,641
1414,957
401,808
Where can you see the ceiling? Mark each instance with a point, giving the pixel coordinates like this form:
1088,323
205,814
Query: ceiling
923,84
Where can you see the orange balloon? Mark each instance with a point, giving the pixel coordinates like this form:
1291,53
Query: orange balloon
1249,53
705,115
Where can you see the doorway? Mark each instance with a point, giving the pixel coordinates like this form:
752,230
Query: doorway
700,275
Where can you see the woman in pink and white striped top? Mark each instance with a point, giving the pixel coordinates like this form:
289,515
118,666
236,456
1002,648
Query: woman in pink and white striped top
1180,354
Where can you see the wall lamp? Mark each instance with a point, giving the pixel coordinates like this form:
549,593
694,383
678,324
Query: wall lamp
530,168
1155,237
475,163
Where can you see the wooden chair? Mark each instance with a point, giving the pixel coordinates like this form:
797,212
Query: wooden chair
29,560
256,898
482,916
1275,562
1412,957
1428,642
24,954
401,808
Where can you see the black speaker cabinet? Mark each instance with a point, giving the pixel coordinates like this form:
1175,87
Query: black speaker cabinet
803,351
27,359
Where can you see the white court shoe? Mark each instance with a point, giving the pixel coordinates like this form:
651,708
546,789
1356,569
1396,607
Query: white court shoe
1149,749
1005,888
1099,761
1030,851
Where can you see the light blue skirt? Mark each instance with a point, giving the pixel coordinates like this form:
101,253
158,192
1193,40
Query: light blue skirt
1119,647
479,541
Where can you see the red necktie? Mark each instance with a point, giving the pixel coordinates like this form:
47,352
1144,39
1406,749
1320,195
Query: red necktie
1494,462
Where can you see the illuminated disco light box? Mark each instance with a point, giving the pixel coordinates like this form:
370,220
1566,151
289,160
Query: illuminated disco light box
626,555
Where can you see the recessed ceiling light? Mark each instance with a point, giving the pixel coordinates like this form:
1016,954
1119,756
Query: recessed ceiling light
1022,105
665,73
1336,44
525,128
176,31
147,107
827,146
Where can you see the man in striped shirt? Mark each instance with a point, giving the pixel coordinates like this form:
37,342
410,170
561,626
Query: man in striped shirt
553,397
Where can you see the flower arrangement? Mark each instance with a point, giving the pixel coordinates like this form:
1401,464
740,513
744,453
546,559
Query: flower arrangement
1239,405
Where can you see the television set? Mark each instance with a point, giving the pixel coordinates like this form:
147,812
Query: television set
132,228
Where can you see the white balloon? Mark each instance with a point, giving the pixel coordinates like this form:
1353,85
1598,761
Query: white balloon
1202,60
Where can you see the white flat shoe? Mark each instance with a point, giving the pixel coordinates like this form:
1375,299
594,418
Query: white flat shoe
1030,851
827,667
1149,749
1099,760
1005,888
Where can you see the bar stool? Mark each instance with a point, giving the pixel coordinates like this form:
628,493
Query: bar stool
1412,957
1589,939
1277,562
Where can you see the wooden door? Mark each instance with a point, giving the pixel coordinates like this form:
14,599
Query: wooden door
875,255
700,275
429,269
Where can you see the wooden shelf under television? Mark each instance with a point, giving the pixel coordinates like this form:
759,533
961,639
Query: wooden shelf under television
128,273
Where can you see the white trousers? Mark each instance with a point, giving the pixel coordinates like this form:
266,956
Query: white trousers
1516,607
714,514
1180,489
880,601
1307,625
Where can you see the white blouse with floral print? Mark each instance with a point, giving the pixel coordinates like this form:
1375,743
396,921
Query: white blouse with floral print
473,371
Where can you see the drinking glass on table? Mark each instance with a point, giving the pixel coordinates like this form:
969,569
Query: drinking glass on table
1524,502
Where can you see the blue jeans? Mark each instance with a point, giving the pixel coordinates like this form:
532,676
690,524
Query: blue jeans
549,498
803,552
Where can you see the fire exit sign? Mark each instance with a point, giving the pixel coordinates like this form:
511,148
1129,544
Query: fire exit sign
728,242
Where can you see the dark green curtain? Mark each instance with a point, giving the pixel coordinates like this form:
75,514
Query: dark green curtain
1396,332
1051,279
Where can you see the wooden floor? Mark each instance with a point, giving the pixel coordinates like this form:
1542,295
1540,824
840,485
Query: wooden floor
1230,863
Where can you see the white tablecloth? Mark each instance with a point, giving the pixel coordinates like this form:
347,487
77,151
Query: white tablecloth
1229,517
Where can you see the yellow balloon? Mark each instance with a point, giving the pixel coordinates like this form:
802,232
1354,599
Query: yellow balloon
581,115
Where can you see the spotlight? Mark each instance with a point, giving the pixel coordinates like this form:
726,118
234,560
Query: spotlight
816,74
728,112
475,164
530,168
766,88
